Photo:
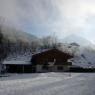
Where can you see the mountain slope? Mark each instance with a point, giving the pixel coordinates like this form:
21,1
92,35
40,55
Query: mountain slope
15,35
85,58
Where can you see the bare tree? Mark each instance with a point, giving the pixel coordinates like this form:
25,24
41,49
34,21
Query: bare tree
46,42
35,44
2,52
50,42
3,45
54,41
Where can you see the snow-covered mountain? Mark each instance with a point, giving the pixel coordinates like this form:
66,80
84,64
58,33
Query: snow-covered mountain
84,54
85,58
89,55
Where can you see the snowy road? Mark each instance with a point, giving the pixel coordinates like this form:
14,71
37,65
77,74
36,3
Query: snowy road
48,84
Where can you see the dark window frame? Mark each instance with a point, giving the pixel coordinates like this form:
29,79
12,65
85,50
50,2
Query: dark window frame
45,67
60,68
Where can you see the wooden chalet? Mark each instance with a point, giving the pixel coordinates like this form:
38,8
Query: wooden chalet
52,60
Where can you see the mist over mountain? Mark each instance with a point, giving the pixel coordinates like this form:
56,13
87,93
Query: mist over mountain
14,35
79,40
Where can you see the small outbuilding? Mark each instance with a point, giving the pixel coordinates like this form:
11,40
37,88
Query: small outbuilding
53,60
18,64
18,67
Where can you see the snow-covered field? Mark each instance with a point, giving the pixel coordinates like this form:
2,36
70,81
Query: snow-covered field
43,83
16,82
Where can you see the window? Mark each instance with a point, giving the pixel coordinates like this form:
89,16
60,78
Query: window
60,68
45,67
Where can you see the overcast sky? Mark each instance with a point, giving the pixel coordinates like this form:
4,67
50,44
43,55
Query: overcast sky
45,17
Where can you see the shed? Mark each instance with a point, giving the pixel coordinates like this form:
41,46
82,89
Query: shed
18,64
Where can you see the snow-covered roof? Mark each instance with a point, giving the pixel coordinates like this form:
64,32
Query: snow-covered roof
40,51
18,59
45,50
17,62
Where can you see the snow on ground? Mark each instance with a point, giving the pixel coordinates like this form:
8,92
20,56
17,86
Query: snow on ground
19,82
48,84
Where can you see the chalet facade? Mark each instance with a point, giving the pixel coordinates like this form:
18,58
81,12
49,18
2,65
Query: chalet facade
52,60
